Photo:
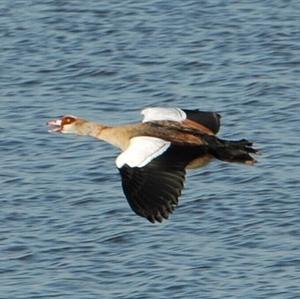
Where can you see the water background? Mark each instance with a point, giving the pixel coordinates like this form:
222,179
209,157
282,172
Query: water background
66,230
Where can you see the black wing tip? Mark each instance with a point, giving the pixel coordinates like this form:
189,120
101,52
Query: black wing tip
162,214
209,119
150,219
157,218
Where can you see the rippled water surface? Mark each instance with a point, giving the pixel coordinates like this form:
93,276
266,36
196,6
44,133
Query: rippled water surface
66,230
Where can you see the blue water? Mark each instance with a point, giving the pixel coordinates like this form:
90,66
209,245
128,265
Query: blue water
66,230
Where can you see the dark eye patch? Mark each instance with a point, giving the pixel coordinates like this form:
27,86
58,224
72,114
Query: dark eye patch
68,120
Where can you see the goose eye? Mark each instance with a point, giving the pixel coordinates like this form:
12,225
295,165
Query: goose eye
68,120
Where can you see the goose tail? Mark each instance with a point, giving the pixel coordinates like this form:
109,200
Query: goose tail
239,151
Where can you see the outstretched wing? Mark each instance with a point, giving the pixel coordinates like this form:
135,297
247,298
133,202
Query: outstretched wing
209,120
152,183
152,191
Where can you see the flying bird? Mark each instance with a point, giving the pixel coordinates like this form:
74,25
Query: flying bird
156,153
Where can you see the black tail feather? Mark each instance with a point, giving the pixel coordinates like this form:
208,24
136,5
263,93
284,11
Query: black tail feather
232,151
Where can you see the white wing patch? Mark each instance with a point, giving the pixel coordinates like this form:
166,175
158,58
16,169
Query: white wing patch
141,151
159,113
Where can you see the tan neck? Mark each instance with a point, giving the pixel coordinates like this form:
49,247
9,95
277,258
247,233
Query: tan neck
88,128
117,136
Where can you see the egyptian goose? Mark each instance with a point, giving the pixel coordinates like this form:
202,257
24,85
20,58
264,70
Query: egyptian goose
156,153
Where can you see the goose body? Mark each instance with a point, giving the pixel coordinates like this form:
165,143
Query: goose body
156,153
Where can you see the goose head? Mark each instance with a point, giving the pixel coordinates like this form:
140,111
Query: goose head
66,124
